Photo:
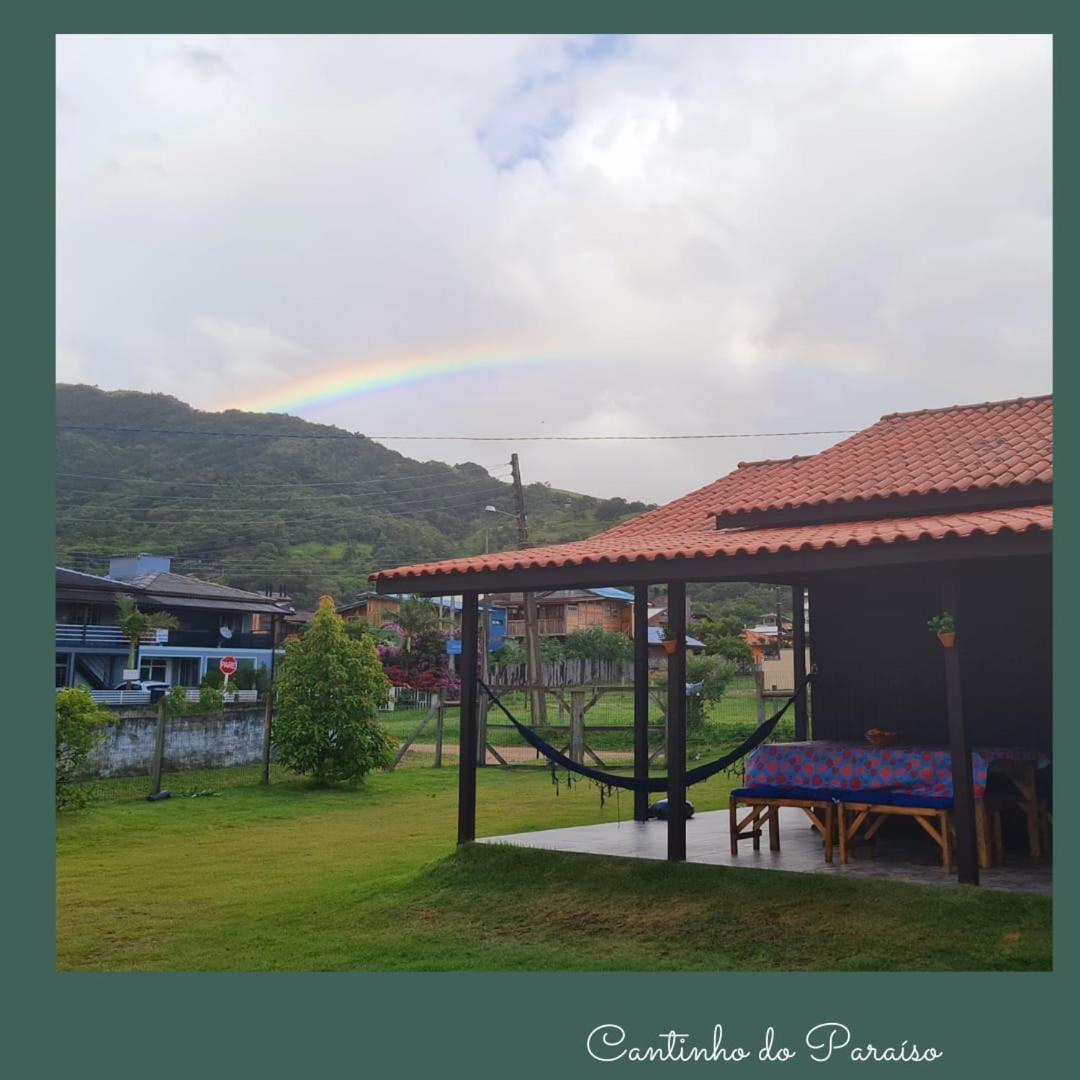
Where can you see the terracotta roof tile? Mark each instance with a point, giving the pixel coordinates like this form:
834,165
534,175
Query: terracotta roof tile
998,444
720,543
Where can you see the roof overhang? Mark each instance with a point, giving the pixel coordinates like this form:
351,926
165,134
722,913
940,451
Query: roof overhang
784,566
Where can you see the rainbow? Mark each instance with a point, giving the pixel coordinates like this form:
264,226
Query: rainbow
380,373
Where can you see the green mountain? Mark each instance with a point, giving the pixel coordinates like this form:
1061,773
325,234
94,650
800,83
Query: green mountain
283,503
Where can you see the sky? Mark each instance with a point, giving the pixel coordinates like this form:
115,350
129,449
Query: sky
606,235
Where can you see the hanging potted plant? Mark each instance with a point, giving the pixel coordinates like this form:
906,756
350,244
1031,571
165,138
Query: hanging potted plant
667,639
945,627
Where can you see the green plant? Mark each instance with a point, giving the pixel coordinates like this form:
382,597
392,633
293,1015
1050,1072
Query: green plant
511,652
135,624
552,650
327,694
211,699
942,624
79,720
666,633
418,618
598,644
176,700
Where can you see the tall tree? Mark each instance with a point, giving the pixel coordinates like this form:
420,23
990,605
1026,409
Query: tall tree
327,694
135,624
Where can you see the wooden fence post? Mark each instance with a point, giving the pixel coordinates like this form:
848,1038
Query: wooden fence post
159,750
439,718
577,725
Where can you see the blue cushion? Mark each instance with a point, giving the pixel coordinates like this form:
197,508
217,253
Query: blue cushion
874,796
881,797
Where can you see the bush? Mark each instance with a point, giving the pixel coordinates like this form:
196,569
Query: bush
512,652
327,694
598,644
79,720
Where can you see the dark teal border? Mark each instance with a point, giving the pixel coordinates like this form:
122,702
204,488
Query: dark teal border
481,1025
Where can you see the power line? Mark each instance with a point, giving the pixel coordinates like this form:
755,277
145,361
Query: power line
459,438
253,499
284,485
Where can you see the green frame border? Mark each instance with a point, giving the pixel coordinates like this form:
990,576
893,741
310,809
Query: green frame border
529,1025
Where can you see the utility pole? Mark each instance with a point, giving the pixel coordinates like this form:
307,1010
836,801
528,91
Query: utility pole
532,634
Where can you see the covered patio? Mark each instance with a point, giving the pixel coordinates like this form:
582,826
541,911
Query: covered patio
922,514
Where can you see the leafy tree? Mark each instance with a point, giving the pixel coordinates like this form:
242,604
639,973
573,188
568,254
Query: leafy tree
719,643
79,720
552,650
707,677
135,624
327,694
598,644
512,652
417,618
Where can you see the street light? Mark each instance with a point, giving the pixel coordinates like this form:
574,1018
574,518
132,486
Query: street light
496,510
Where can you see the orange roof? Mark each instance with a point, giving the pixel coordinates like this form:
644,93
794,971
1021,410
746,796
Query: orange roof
719,543
1004,445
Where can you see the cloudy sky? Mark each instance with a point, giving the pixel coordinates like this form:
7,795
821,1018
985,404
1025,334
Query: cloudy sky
598,235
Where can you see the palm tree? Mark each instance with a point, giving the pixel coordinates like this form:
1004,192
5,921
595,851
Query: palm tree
135,624
416,617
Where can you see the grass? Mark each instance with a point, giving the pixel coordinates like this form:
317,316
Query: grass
295,878
727,722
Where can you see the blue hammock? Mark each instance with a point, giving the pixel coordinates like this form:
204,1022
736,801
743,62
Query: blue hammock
650,784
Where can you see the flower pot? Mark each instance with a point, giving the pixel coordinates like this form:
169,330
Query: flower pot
669,646
947,638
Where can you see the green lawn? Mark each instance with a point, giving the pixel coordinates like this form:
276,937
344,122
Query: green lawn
727,722
293,878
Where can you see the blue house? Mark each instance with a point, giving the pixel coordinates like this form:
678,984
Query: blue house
214,621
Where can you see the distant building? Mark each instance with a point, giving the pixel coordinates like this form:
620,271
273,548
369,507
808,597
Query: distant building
214,621
564,611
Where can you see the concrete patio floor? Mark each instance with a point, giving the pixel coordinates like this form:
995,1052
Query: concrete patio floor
897,853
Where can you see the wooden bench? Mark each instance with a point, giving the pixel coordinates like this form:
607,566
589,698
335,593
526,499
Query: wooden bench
819,808
856,811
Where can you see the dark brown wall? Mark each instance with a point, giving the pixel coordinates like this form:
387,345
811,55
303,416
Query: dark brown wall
879,666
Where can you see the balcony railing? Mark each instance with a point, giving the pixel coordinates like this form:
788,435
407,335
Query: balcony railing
515,628
86,634
104,636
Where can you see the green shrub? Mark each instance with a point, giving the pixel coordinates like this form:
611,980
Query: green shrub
79,720
598,644
326,696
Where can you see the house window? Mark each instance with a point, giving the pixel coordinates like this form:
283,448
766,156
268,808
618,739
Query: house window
153,669
61,669
573,607
613,609
260,623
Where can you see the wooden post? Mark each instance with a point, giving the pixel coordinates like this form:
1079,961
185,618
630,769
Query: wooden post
967,857
538,700
467,724
641,698
676,724
798,644
159,749
268,718
482,705
759,690
577,725
440,715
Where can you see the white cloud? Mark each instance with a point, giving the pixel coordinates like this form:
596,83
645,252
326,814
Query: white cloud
704,233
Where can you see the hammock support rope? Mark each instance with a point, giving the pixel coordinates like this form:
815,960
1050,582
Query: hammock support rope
649,784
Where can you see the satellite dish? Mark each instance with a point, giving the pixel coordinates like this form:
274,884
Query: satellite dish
225,632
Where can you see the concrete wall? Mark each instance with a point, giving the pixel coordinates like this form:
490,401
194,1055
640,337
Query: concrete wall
210,741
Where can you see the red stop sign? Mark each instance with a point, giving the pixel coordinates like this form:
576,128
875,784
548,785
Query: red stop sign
228,665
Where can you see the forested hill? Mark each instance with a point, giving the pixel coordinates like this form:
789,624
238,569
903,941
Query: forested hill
273,505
